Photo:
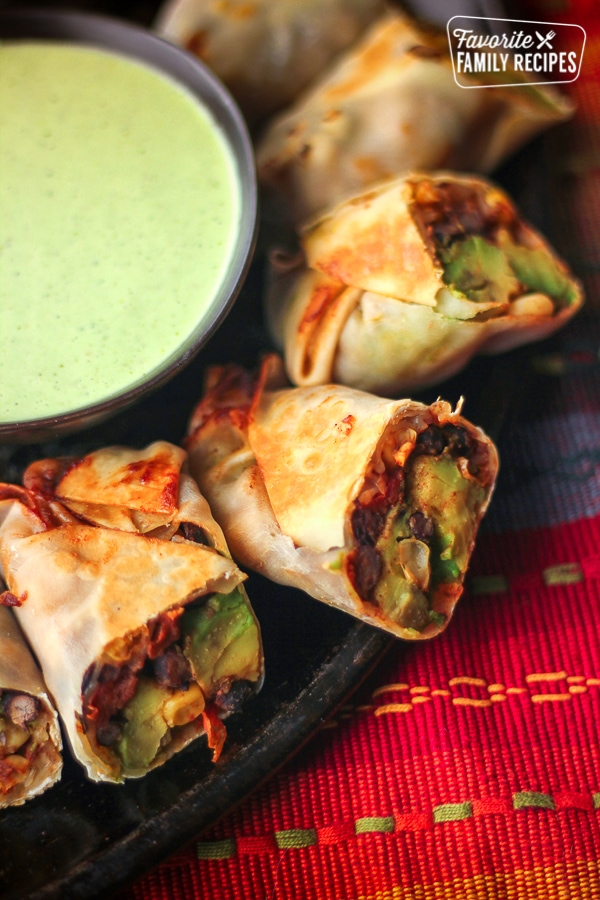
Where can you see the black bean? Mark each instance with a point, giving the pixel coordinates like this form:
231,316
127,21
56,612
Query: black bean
173,669
458,440
231,696
195,533
432,441
367,524
366,566
421,527
108,733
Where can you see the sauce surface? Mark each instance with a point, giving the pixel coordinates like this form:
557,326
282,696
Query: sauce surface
119,210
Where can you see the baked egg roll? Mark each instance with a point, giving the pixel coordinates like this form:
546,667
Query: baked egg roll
265,52
389,105
370,505
397,288
30,740
132,603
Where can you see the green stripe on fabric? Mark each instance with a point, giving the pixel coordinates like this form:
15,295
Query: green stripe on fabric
217,849
379,824
296,838
489,584
526,799
452,812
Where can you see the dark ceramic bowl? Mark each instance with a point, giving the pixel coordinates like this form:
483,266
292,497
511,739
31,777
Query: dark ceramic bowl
139,44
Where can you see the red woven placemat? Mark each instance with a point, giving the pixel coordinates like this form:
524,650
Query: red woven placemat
468,767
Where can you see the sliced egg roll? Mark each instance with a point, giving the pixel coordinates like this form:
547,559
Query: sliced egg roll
30,740
265,52
389,105
399,287
367,504
132,603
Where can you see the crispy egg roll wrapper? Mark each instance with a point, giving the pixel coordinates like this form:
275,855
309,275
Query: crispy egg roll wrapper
389,105
265,52
90,589
20,675
380,298
293,473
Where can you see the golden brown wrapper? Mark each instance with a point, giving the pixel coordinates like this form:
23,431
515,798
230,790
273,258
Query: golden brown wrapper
366,304
20,673
265,52
88,586
283,469
389,105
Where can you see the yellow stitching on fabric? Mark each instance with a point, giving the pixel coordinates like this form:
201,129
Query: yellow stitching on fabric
389,687
497,692
467,679
565,573
394,708
469,701
545,676
550,698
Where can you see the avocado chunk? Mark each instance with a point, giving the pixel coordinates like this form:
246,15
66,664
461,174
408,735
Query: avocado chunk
145,725
397,596
540,272
221,640
412,568
438,488
480,271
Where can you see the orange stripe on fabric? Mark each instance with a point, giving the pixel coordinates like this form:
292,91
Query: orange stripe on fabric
564,881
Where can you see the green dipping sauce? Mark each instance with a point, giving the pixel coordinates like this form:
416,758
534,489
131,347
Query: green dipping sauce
119,210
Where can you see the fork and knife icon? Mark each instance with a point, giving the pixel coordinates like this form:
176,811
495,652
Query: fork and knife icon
544,41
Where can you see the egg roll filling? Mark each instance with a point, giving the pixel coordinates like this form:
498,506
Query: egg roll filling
414,524
486,254
183,669
23,733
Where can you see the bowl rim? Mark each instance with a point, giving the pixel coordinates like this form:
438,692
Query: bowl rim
140,44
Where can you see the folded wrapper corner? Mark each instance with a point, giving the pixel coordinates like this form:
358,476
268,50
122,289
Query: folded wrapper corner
367,504
397,288
110,553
